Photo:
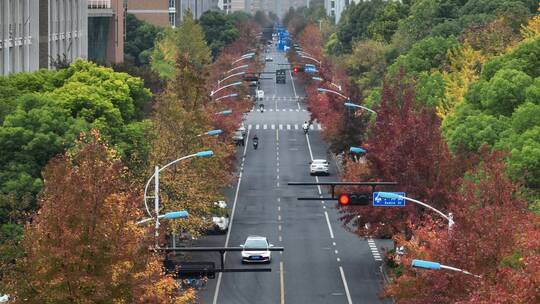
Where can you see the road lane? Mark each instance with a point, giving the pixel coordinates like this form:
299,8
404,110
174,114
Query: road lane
322,262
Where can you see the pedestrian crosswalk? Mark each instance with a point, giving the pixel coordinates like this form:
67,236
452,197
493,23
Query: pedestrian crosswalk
374,250
288,127
284,98
280,110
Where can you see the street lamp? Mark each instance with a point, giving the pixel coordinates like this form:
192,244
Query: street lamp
320,79
323,90
211,133
311,58
168,216
243,57
353,105
238,67
357,150
225,112
448,217
223,87
155,176
227,96
236,74
438,266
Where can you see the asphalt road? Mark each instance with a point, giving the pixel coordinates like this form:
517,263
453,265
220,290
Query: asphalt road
322,262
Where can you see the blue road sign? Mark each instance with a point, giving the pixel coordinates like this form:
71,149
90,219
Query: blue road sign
390,200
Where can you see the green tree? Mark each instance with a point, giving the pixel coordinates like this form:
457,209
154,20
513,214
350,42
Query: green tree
140,38
386,21
219,31
355,21
425,56
187,40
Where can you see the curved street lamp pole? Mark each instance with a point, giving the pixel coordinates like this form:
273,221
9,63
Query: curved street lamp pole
155,177
236,68
449,217
311,58
353,105
223,87
226,96
333,92
438,266
236,74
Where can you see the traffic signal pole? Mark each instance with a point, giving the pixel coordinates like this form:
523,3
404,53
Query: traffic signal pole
333,185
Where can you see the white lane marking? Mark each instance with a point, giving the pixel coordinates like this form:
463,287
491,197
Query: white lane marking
311,127
338,260
329,226
256,127
281,283
334,243
279,227
271,110
292,82
279,199
296,126
277,110
298,110
249,127
280,239
280,126
349,300
278,208
284,110
273,126
288,126
279,217
311,154
290,110
218,284
265,126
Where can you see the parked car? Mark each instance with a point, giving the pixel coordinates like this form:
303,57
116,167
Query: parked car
242,129
268,59
319,166
258,250
238,138
220,217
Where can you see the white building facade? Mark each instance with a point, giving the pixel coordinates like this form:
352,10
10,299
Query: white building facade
36,33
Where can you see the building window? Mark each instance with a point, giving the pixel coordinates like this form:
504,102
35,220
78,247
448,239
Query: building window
172,3
172,19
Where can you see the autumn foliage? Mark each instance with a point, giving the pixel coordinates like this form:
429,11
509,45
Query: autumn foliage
84,245
404,146
495,236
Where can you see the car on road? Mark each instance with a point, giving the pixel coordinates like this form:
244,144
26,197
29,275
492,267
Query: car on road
238,138
268,59
258,250
319,166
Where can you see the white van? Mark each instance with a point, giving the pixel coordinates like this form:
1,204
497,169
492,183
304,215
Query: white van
260,95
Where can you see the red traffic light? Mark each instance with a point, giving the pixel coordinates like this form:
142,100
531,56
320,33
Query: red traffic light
295,70
344,199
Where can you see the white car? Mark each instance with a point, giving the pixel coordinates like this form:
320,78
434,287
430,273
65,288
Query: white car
220,217
319,166
268,59
257,250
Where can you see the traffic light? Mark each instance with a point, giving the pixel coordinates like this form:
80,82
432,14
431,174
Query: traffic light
360,199
296,70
